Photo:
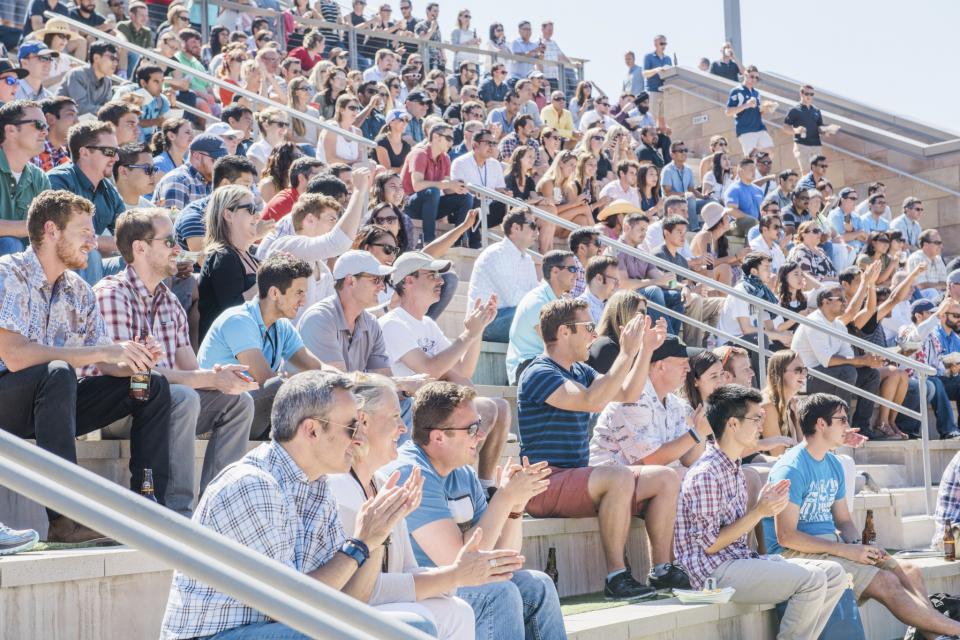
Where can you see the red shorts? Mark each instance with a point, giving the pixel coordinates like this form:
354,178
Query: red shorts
568,497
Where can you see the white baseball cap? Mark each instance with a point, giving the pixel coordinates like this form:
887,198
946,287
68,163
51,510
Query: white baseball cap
354,262
223,129
412,261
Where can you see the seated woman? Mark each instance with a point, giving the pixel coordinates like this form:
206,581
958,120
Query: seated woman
386,210
402,585
276,173
273,125
648,182
392,149
585,181
716,181
229,274
520,183
809,255
712,240
877,247
557,188
333,147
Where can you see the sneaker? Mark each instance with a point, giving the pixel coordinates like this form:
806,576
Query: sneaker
669,576
951,436
65,530
14,541
623,587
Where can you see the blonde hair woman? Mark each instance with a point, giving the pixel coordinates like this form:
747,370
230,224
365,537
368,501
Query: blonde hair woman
332,147
558,189
274,128
299,93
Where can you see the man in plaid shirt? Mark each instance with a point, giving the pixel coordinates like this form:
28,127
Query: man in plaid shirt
191,180
584,243
710,539
276,501
136,303
948,501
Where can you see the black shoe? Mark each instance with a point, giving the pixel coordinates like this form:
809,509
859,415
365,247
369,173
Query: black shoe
951,436
490,492
623,587
670,576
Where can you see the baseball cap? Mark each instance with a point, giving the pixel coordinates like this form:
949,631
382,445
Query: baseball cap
673,348
6,67
922,306
417,96
210,144
412,261
353,262
397,114
846,191
953,277
223,129
33,47
536,73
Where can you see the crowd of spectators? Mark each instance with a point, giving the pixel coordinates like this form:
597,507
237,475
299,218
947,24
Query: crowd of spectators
283,281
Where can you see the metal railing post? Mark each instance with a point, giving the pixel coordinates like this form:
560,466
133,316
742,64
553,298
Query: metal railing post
352,45
762,349
484,212
205,20
925,445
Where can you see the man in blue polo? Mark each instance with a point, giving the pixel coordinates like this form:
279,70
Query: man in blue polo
654,63
743,105
743,198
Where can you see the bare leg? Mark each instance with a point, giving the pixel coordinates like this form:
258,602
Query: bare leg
888,589
660,486
547,231
611,489
496,413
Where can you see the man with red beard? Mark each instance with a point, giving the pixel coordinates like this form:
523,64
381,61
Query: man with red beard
50,326
23,129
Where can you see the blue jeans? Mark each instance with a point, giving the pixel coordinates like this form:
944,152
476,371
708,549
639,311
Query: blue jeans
406,415
9,244
98,267
450,282
499,329
525,607
939,396
431,204
278,631
671,299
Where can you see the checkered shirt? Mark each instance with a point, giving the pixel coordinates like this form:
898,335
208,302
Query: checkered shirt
580,283
126,306
180,187
51,156
948,501
266,502
713,496
510,142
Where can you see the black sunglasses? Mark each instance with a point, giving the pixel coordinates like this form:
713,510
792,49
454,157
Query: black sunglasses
388,249
39,125
109,152
249,207
148,169
169,241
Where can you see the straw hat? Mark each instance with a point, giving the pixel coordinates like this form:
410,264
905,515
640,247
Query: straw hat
617,207
55,26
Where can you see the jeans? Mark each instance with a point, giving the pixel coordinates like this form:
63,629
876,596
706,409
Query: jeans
496,212
48,403
262,407
499,329
525,607
866,378
450,282
406,416
671,299
430,204
9,244
278,631
98,268
939,395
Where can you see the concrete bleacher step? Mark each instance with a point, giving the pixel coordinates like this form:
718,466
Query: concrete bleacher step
492,365
888,476
908,454
501,391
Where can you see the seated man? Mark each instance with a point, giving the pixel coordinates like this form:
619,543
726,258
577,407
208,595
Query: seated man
933,282
260,336
505,269
50,327
948,501
713,524
808,527
301,171
276,501
643,277
416,345
602,281
556,395
737,365
559,272
455,512
203,401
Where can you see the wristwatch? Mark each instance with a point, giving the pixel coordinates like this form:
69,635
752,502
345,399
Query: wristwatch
356,549
696,436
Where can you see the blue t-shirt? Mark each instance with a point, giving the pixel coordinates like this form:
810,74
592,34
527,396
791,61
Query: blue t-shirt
190,222
748,120
458,497
499,116
872,225
240,329
814,487
746,197
560,437
652,61
837,223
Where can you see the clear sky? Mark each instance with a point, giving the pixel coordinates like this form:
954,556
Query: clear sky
886,53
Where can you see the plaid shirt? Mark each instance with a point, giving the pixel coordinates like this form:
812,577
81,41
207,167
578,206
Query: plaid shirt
713,496
580,283
510,142
948,501
62,315
51,156
127,306
180,187
267,503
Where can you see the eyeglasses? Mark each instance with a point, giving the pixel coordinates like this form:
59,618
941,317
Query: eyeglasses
415,76
109,152
377,280
429,275
386,220
590,326
351,427
822,166
840,419
169,241
148,169
472,429
446,136
39,125
249,207
388,249
936,242
800,370
533,225
756,419
571,268
353,107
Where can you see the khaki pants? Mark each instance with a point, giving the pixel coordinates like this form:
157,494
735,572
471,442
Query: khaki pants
804,153
811,588
704,309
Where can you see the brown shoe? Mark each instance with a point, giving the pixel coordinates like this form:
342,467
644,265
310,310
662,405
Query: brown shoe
65,530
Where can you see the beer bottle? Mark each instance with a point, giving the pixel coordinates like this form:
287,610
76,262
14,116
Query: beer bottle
869,535
949,543
146,487
140,382
551,568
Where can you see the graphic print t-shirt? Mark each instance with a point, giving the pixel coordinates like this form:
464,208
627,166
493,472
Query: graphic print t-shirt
402,333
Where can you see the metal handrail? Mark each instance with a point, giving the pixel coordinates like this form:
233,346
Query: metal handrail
276,590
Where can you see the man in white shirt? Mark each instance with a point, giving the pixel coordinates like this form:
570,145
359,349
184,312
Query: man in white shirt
835,357
908,223
480,167
933,281
599,116
505,271
416,345
625,186
770,243
602,280
384,63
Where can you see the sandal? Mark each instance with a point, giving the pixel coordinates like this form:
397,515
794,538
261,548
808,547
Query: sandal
896,431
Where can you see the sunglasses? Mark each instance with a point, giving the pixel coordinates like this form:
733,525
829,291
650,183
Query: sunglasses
39,125
597,138
472,429
389,249
680,151
148,169
558,99
169,241
590,326
109,152
808,94
936,242
279,123
377,280
386,220
248,207
571,268
823,166
721,143
11,80
353,107
350,427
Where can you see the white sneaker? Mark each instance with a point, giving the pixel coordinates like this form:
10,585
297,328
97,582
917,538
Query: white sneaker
13,541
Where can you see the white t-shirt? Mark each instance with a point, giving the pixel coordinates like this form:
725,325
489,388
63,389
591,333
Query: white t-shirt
402,333
490,175
593,119
614,191
776,253
260,151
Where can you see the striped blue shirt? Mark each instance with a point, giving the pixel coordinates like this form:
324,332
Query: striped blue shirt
560,437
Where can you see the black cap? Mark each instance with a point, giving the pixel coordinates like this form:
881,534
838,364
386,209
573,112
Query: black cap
673,348
417,96
6,66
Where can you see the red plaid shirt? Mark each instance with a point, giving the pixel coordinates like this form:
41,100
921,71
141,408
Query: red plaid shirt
714,495
126,306
51,156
